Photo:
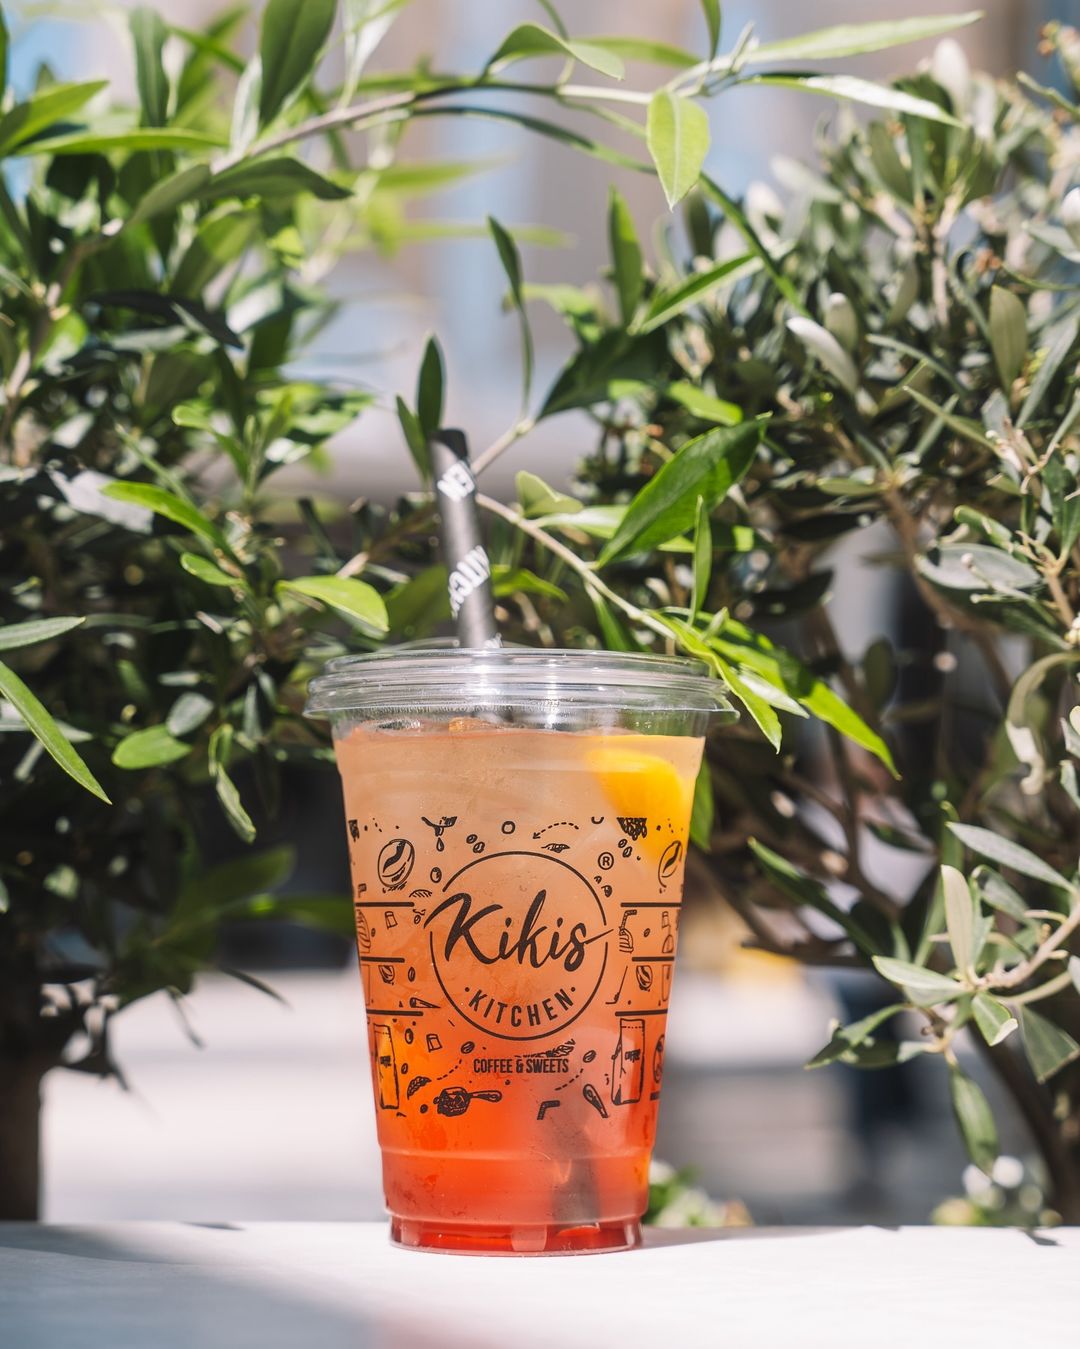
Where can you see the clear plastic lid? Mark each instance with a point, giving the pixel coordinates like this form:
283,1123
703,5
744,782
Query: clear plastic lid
525,683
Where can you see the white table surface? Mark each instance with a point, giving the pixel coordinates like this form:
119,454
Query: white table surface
338,1285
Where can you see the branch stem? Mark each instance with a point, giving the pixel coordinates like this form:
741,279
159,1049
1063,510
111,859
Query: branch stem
1021,973
571,559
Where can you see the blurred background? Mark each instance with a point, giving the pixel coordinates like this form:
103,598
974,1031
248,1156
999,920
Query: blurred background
261,1109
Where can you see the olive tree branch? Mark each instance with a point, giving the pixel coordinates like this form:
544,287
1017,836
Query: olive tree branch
1021,973
499,447
359,115
575,563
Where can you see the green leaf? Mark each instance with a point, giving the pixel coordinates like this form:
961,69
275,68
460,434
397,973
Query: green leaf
1021,720
666,506
1047,1046
416,177
666,305
272,177
13,635
218,242
780,668
1008,335
169,193
47,732
959,918
713,24
705,406
924,987
803,890
759,707
172,507
220,753
414,437
963,426
136,139
741,223
229,797
365,24
149,749
626,260
52,104
214,891
703,558
1008,854
416,606
601,522
975,1119
537,498
704,809
188,713
511,262
852,39
552,130
855,90
345,593
677,134
507,581
896,177
429,389
822,344
204,570
5,43
1061,344
976,567
148,33
846,1038
529,40
644,49
993,1019
999,894
613,632
290,41
244,124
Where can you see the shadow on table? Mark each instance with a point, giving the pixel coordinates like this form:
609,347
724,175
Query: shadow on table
60,1285
658,1237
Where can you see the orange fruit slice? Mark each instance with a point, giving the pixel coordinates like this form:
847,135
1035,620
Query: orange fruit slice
642,784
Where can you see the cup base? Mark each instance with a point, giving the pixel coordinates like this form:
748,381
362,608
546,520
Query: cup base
469,1239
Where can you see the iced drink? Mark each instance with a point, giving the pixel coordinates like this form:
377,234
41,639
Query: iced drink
517,894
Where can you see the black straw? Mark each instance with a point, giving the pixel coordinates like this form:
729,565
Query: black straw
472,602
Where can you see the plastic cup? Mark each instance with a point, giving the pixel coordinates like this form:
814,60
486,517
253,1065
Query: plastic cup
517,827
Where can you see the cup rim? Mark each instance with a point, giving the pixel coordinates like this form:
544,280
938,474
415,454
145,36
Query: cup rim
445,675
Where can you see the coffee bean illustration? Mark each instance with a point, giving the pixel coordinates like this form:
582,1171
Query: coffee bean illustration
396,863
670,862
644,977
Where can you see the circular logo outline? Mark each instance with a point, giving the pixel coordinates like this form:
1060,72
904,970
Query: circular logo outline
552,1030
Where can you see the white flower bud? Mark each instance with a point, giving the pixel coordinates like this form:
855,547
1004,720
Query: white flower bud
950,68
1008,1172
841,321
1070,215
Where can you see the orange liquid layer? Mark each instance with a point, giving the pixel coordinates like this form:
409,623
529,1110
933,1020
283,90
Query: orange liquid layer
517,897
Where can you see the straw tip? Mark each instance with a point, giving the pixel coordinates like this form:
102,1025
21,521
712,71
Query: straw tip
454,439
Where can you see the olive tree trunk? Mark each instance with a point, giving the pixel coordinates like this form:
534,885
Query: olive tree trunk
20,1137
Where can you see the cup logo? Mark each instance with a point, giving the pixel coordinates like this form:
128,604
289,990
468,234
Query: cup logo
519,950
